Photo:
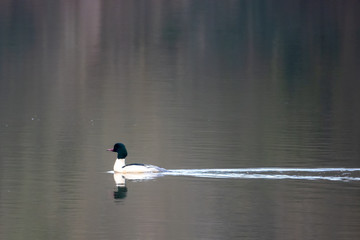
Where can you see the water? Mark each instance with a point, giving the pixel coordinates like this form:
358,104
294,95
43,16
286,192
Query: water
253,106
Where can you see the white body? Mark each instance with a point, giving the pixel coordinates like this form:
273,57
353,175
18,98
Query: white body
121,178
120,167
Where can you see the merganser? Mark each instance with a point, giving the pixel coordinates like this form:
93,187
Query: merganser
120,167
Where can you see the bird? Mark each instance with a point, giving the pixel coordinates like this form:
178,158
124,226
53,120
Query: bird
121,167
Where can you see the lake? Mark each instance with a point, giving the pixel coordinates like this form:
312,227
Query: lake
251,106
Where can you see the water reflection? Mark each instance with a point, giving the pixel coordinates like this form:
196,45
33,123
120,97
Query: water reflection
121,178
121,189
188,84
120,192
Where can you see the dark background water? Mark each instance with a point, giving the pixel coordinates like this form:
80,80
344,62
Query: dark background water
184,84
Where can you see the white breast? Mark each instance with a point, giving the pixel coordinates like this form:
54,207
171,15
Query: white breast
119,163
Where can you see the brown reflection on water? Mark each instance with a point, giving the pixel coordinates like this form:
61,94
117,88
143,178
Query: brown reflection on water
184,84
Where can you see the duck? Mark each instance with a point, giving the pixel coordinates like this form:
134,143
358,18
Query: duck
121,167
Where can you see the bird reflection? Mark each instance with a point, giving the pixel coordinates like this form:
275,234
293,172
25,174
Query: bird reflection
121,178
120,192
121,189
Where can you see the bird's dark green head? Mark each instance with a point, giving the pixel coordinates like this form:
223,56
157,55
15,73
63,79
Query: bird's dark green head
120,149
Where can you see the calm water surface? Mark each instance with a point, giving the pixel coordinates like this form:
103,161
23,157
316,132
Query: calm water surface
256,100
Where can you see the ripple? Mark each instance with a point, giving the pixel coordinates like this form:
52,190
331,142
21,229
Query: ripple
329,174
